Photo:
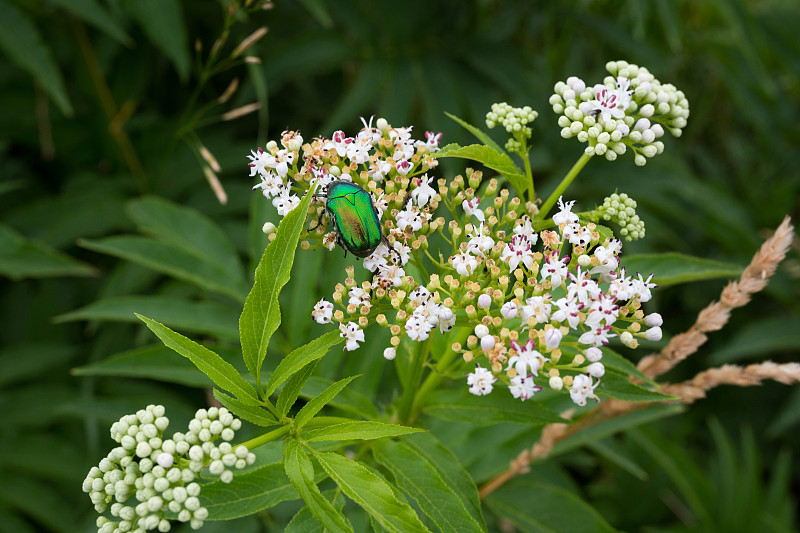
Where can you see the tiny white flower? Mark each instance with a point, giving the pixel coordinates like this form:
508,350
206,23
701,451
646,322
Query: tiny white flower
479,243
285,201
418,328
597,337
653,334
552,338
390,353
481,331
525,229
270,185
323,312
523,387
556,383
565,214
527,359
358,296
582,389
538,307
518,251
352,333
446,318
464,263
379,169
423,193
487,343
471,208
484,301
258,162
269,228
593,354
554,269
480,382
653,319
392,273
378,258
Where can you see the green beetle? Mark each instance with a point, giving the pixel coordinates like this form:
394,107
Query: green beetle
358,228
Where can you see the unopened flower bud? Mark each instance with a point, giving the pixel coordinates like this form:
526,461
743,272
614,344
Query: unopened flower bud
481,331
269,228
556,383
596,370
653,334
552,338
390,353
594,354
484,301
487,343
653,319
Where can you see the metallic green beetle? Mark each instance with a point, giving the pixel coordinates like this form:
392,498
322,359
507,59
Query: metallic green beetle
358,228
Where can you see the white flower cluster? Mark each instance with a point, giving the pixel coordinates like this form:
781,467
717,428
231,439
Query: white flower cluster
629,110
621,208
159,474
515,120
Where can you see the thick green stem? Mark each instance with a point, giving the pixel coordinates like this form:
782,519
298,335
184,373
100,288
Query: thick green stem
571,175
529,174
267,437
417,364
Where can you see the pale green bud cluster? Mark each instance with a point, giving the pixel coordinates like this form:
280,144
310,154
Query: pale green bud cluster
629,110
514,120
159,474
621,208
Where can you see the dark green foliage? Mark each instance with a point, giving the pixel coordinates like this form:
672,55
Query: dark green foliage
105,210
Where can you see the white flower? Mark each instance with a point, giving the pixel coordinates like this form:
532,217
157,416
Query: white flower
403,167
353,334
603,309
446,318
597,337
622,288
424,192
653,319
526,359
611,102
431,141
322,312
339,143
358,150
377,259
402,251
471,208
269,228
419,295
518,251
464,263
523,387
642,288
418,327
271,184
538,307
281,162
381,204
484,301
411,218
526,230
582,389
509,310
481,330
479,243
581,235
565,214
390,353
554,269
285,201
392,273
358,296
258,162
552,338
556,383
379,169
487,343
480,381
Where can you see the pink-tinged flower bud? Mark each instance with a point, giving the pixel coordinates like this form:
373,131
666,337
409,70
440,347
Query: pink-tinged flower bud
509,310
484,301
653,334
596,370
487,343
594,354
653,319
481,331
552,338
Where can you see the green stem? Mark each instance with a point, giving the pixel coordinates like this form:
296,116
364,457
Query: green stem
267,437
529,174
417,364
436,377
571,175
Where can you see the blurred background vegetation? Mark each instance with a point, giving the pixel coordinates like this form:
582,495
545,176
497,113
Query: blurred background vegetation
106,105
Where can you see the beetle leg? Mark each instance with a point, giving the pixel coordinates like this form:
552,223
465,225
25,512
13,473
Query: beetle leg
385,241
319,222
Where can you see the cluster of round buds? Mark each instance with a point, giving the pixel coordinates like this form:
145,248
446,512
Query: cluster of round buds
629,110
147,476
515,120
621,208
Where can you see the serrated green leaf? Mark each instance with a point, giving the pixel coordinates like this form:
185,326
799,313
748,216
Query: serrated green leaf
477,132
151,362
613,360
24,258
187,229
261,315
450,469
672,268
164,24
357,430
618,386
171,260
292,389
248,493
538,507
95,14
300,357
221,372
371,492
491,158
304,521
420,479
198,317
301,473
316,404
252,413
457,405
21,42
